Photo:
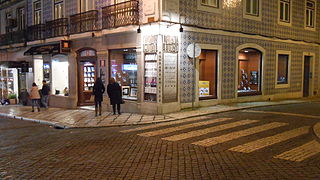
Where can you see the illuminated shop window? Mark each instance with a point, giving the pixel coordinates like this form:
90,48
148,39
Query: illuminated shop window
60,75
124,70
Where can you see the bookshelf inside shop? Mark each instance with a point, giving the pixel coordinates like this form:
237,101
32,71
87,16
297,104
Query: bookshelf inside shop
150,76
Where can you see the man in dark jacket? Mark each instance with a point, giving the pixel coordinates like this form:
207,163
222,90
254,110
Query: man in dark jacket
45,93
115,94
98,90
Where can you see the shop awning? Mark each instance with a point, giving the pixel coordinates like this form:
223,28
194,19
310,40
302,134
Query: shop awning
44,49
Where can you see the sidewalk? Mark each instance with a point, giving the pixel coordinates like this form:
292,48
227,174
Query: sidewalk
83,118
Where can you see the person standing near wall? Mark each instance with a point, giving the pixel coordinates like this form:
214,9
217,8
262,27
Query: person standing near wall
98,90
45,93
35,96
115,94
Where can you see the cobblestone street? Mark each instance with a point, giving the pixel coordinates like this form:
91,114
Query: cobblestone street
263,143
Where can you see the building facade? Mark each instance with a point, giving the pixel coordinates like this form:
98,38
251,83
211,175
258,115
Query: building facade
246,50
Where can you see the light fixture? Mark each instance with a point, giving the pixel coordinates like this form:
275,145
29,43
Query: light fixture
139,30
181,28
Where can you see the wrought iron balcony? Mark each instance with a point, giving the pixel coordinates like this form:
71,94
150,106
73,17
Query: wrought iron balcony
58,27
35,32
121,14
83,22
12,37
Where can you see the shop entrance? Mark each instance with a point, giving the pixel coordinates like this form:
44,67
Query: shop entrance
306,76
87,59
208,74
249,72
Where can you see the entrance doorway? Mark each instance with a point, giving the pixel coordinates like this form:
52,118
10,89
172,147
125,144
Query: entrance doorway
208,74
87,60
307,75
249,72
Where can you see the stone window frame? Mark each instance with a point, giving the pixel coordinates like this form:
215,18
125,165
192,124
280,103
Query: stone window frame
314,16
257,17
211,9
287,85
281,22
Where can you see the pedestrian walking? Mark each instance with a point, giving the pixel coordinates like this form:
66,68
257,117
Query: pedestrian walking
35,96
45,94
98,90
115,94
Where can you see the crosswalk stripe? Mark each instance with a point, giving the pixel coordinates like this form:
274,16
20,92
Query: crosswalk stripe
235,135
268,141
164,124
301,153
201,132
179,128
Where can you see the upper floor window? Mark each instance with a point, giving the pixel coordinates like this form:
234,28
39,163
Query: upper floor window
8,21
212,3
37,11
252,9
58,9
284,11
21,18
86,5
310,14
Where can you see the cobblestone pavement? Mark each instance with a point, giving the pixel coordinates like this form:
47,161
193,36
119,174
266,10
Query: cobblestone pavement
262,143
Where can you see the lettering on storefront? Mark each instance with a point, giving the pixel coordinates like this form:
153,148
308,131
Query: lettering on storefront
170,75
150,44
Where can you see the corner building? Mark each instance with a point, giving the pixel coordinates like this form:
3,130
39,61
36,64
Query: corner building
251,50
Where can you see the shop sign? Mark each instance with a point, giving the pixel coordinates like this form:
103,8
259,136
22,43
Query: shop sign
170,76
170,44
204,88
65,46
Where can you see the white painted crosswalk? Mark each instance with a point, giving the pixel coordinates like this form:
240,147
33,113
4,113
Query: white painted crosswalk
235,135
183,130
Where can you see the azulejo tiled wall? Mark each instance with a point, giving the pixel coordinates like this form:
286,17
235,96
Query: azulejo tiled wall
231,18
229,60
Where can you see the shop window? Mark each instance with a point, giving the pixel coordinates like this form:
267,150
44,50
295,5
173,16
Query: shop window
60,75
249,77
208,74
124,70
283,61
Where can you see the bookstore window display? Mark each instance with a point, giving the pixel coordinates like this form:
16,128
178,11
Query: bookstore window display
150,76
249,72
60,75
124,70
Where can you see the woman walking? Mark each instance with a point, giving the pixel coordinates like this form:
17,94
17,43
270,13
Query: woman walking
98,90
115,95
35,96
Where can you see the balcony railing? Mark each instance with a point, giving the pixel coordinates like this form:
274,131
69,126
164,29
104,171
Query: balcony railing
121,14
58,27
36,32
83,22
12,37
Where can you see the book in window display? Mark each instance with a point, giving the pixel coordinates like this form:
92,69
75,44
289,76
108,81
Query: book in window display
151,74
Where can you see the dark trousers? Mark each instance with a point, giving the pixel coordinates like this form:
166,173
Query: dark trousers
114,108
97,107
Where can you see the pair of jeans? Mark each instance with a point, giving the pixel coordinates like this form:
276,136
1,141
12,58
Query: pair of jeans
35,102
44,100
114,108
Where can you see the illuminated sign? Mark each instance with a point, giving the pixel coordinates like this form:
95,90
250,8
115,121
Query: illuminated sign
65,46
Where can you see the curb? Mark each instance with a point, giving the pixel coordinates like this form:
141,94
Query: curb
170,118
49,123
316,130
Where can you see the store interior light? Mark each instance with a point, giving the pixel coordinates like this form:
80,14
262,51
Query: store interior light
246,51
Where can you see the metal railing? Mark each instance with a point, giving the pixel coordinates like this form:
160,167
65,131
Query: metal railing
121,14
83,22
12,37
58,27
35,32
